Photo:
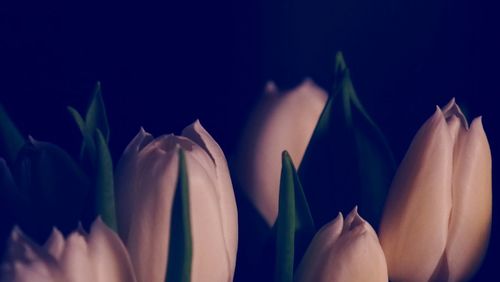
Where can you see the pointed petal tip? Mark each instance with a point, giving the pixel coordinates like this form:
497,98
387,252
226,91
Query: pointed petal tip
271,88
16,232
477,125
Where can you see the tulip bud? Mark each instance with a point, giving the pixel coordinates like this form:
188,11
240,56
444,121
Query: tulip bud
146,180
281,121
344,250
437,217
98,256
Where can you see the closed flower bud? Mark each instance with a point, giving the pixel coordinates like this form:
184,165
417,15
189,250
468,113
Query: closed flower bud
281,121
146,180
98,256
344,250
437,217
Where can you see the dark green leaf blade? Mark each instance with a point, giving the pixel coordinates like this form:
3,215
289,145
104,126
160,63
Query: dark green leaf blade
96,117
347,161
180,245
294,217
78,119
105,195
11,140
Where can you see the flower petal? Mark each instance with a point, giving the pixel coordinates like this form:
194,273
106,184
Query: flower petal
25,261
280,122
344,251
224,187
470,221
125,189
108,255
414,226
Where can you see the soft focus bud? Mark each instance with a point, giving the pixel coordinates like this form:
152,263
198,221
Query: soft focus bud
146,180
281,121
344,250
436,222
98,256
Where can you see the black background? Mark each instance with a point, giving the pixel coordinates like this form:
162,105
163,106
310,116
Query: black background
163,66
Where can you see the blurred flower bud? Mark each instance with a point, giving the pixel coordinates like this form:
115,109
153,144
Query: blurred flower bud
281,121
98,256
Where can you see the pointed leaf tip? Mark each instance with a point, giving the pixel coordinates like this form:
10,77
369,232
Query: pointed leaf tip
340,65
11,140
293,222
96,116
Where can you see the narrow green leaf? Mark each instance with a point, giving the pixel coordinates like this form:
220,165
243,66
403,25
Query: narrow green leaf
78,119
293,217
11,140
96,117
348,161
105,195
180,245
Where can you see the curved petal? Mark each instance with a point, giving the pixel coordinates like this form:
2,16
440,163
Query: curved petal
108,255
351,252
472,203
224,189
414,226
313,263
125,190
75,260
25,261
206,227
55,244
148,237
280,122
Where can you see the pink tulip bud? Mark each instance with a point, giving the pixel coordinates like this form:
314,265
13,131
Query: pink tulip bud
281,121
98,256
437,217
344,250
146,180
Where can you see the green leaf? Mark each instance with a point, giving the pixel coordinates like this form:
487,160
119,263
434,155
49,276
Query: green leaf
96,117
11,140
105,196
180,245
348,161
78,119
293,217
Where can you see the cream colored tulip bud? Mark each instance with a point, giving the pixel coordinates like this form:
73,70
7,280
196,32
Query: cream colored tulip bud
437,217
344,250
98,256
281,121
146,180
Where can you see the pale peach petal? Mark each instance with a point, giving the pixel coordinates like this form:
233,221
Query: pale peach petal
225,193
472,203
210,257
279,122
108,254
313,263
353,255
125,189
55,244
75,261
148,238
25,261
414,226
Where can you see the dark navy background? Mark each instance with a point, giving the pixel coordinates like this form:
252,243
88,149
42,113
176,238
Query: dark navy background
163,66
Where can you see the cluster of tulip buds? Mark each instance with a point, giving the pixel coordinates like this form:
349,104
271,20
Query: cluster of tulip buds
169,210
